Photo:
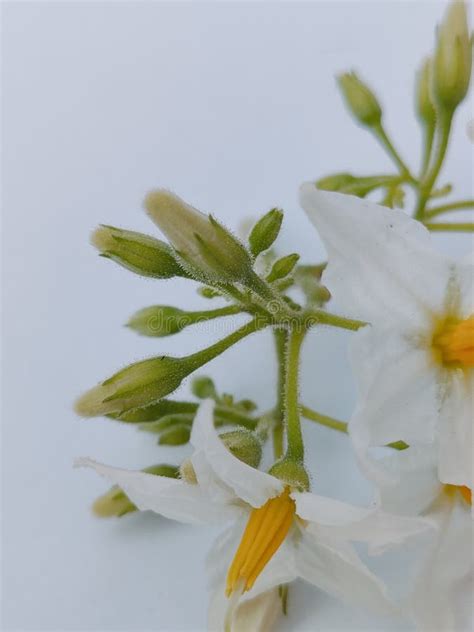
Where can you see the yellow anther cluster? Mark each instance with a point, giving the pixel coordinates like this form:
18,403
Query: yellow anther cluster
454,342
266,529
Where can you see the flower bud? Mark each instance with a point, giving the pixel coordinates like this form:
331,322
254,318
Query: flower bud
116,503
360,99
137,385
155,411
265,231
160,320
206,248
244,445
292,473
203,387
452,58
282,267
168,421
139,253
335,182
424,105
175,435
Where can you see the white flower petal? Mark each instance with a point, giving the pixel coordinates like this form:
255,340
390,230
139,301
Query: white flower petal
333,566
465,282
249,484
456,448
379,529
397,384
382,267
169,497
434,603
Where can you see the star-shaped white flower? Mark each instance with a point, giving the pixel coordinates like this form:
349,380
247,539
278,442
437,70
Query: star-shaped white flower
283,533
414,363
442,595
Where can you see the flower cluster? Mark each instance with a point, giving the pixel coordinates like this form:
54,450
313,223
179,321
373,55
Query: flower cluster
411,311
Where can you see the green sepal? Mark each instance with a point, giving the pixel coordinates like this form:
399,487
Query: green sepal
265,231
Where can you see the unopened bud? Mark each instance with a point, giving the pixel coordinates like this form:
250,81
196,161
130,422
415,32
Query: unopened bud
160,320
335,182
155,411
116,503
203,387
244,445
137,385
208,292
291,473
283,267
265,231
175,435
167,421
360,99
452,58
139,253
424,105
205,247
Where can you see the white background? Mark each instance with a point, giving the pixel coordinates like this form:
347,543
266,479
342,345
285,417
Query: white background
232,106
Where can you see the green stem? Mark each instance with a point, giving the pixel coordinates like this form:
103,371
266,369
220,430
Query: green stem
341,426
203,315
453,206
385,141
281,341
232,416
321,317
461,227
295,446
200,358
324,420
428,182
427,148
274,304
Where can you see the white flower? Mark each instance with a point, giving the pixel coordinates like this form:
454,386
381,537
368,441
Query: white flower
289,534
414,364
443,589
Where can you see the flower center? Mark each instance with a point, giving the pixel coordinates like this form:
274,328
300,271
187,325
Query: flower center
453,342
266,529
465,492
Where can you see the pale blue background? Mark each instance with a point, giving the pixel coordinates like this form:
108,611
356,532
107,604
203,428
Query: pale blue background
231,105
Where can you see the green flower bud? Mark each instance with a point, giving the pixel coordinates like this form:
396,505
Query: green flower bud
159,321
291,473
452,59
116,503
208,292
139,253
424,105
206,248
168,421
137,385
244,445
265,231
203,387
335,182
175,435
360,100
155,411
282,267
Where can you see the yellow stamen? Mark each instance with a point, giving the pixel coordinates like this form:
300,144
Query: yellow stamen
453,342
465,492
266,529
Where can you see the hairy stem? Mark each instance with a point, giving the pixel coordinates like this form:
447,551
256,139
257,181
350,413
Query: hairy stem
295,446
453,206
460,227
387,144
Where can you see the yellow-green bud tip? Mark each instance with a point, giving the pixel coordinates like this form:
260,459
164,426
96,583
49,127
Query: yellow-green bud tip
360,99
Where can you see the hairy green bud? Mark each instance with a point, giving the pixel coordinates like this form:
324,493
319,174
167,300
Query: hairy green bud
206,248
159,321
453,58
424,105
137,385
175,435
155,411
137,252
360,100
265,231
283,267
244,445
203,387
116,503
